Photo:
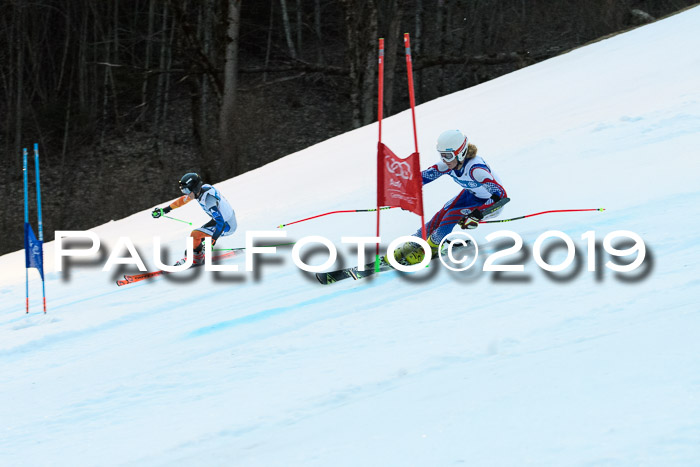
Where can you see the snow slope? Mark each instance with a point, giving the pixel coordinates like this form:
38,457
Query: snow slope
437,368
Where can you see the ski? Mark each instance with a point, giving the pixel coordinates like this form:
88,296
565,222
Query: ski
495,206
131,278
355,273
331,277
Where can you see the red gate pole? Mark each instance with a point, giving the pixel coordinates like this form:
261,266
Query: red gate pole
380,113
409,70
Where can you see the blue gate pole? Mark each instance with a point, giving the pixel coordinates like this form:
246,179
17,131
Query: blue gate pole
38,191
26,221
41,227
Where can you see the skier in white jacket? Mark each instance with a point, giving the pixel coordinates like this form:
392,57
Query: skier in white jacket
223,218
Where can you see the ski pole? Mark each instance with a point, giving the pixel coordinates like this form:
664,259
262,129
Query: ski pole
176,219
539,214
336,212
243,248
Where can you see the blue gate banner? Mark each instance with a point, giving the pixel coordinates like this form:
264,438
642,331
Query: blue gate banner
33,250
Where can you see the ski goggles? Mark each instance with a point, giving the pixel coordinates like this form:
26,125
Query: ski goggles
185,190
448,156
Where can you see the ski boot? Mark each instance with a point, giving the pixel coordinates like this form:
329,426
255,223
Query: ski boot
409,253
412,253
197,255
198,258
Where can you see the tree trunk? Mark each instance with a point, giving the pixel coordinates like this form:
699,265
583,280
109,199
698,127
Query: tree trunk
268,48
287,29
369,73
207,25
317,28
82,73
228,101
354,74
418,49
20,79
168,67
116,31
300,26
66,49
105,94
158,115
392,48
147,62
361,34
442,22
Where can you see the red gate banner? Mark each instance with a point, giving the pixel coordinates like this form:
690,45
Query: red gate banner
399,181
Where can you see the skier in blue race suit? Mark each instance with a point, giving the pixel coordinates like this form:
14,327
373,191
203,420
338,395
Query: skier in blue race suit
481,187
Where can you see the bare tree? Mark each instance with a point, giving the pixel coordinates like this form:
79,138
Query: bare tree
361,35
417,37
168,68
300,27
268,47
147,61
228,101
317,29
394,38
287,29
19,70
160,87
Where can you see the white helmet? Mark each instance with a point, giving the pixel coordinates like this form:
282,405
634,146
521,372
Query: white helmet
451,144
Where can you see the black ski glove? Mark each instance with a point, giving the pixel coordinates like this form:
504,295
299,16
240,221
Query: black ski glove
157,212
471,220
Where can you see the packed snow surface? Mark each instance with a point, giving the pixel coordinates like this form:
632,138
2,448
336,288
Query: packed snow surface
271,368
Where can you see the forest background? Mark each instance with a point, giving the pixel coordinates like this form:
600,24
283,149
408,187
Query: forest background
125,96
